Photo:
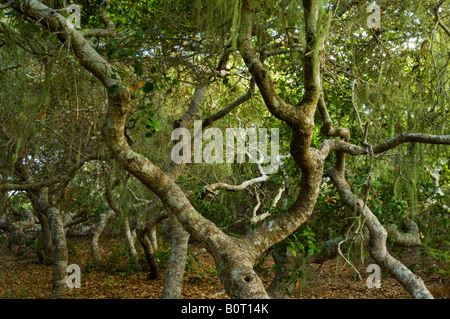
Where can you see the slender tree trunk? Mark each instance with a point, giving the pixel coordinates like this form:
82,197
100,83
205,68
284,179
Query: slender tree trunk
95,235
152,236
147,239
46,236
55,220
129,238
40,201
149,254
173,277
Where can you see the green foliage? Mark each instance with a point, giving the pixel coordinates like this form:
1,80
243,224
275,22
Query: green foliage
72,248
443,258
303,242
216,211
118,261
162,256
389,210
192,265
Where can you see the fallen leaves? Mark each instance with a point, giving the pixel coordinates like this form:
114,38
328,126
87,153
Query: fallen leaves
22,277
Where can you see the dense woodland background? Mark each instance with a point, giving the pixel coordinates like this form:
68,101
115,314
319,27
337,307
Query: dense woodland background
357,105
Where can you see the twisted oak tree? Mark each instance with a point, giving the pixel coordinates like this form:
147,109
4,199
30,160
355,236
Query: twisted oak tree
235,257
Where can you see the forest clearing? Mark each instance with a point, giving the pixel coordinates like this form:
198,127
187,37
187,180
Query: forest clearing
22,277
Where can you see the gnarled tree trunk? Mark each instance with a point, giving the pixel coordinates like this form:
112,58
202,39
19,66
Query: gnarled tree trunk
16,230
149,253
46,255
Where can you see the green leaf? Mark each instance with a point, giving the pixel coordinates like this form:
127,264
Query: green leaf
148,87
152,124
293,251
153,69
156,125
211,270
233,235
138,67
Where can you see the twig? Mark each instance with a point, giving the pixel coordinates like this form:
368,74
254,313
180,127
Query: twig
436,13
346,260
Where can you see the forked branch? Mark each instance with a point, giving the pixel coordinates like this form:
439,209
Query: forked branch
352,149
108,31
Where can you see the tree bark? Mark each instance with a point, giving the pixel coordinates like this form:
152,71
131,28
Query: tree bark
16,230
95,235
46,235
60,252
129,239
407,236
173,276
152,237
149,253
147,239
280,287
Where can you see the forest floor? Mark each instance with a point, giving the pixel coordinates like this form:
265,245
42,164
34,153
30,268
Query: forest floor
21,277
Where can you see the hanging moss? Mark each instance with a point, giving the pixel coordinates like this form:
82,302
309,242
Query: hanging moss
235,22
397,180
411,174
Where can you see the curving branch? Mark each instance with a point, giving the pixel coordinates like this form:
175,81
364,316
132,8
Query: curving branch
406,137
407,236
300,118
108,31
32,185
65,179
411,137
258,218
327,128
438,19
275,104
230,107
239,187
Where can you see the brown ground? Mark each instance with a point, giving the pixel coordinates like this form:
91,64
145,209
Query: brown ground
22,277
